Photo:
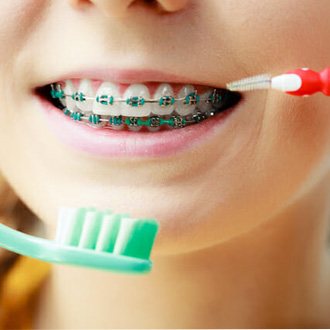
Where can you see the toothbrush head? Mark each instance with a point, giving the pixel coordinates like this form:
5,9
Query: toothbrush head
91,238
106,234
262,81
104,231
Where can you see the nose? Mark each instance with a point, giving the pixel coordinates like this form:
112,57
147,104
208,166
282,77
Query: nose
119,7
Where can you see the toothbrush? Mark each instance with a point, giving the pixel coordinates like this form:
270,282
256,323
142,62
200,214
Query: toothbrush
91,238
299,82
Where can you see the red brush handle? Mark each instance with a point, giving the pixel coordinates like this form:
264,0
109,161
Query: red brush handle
312,82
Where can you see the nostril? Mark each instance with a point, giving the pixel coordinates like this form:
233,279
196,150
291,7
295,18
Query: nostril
150,2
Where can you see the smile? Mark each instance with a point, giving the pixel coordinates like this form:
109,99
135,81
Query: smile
137,107
133,114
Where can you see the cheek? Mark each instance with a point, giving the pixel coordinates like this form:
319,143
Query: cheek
277,35
295,141
17,20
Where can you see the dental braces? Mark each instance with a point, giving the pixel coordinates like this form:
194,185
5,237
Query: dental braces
153,121
175,121
193,98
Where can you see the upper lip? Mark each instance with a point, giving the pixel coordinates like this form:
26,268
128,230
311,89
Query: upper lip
131,76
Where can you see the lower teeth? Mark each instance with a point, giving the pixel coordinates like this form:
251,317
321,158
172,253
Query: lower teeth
153,123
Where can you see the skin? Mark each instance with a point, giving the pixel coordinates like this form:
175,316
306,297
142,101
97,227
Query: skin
244,219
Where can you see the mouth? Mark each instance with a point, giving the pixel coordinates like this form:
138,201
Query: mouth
138,111
131,107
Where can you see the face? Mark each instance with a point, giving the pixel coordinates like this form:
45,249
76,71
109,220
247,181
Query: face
210,182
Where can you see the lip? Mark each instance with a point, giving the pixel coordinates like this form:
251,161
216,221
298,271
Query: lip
129,76
108,143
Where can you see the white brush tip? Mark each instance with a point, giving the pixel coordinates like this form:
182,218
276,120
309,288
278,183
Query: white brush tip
261,81
288,82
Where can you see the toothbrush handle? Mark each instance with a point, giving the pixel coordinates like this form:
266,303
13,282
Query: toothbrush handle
312,82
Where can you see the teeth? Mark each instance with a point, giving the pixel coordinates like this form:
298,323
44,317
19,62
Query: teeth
135,110
105,95
167,91
95,121
85,90
141,93
118,127
182,108
59,87
134,128
70,90
116,122
132,123
135,101
153,129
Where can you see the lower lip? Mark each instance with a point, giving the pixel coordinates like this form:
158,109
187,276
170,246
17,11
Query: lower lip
107,143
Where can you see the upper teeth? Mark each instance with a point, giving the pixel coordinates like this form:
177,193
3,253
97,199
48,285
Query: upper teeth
136,100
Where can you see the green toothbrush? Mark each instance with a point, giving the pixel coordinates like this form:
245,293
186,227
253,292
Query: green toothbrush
91,238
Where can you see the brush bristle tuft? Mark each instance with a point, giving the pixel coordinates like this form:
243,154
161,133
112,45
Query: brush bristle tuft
262,81
104,231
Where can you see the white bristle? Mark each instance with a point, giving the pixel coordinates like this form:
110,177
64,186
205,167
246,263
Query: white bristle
66,222
108,232
124,233
90,230
262,81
